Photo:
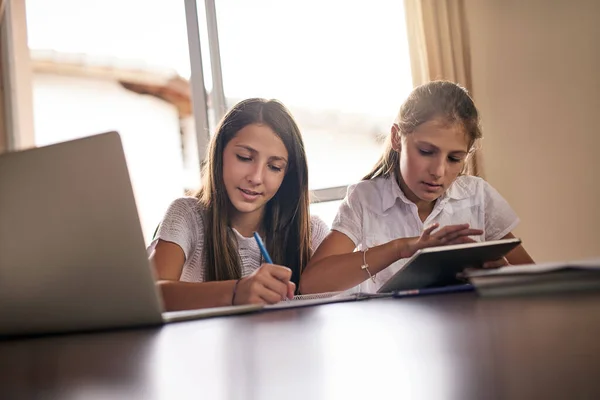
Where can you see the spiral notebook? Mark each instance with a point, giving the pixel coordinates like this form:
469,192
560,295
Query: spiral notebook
307,300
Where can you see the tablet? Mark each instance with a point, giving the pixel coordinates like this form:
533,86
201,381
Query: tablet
438,266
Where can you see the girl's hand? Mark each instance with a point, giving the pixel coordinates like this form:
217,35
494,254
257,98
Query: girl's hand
450,234
269,284
502,262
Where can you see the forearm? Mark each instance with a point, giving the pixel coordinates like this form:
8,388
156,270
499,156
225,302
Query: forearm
342,272
191,295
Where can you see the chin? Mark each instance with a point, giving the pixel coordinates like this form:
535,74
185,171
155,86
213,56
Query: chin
245,208
429,196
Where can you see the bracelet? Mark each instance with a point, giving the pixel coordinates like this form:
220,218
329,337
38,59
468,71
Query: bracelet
234,291
365,266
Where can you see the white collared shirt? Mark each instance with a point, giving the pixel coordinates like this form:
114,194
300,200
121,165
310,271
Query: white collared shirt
376,211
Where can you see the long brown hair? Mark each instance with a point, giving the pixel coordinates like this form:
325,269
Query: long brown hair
286,220
436,99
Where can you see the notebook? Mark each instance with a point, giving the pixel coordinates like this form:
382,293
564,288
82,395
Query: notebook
440,266
537,278
323,298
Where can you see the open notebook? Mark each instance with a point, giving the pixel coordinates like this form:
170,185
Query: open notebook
537,278
323,298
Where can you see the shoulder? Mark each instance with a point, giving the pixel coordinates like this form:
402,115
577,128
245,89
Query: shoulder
182,224
318,231
185,211
317,224
185,206
468,184
186,203
467,187
477,191
369,192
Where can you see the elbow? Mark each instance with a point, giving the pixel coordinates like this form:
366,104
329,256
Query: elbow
303,287
165,289
306,285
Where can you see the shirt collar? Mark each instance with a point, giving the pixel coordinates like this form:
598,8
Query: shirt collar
457,191
391,193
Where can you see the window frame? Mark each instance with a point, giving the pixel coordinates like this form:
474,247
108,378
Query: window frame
17,129
217,96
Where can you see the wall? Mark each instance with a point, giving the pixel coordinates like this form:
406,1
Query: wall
66,108
536,80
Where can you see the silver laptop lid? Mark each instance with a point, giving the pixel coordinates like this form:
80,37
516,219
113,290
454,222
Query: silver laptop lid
72,254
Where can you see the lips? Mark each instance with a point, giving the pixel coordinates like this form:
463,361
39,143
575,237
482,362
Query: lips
432,186
249,195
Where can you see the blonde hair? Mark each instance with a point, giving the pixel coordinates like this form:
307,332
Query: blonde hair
437,99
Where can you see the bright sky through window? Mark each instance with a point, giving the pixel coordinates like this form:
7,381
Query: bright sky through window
330,54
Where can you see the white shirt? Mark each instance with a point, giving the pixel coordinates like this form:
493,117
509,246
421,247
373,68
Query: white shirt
376,211
184,226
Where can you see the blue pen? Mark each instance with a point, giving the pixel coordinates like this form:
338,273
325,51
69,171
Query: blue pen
262,248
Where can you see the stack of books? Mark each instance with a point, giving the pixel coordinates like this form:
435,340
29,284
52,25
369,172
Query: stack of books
537,278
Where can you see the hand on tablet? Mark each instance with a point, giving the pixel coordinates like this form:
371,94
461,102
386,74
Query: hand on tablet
502,262
450,234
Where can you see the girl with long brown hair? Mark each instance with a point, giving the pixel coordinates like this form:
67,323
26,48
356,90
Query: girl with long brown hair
255,179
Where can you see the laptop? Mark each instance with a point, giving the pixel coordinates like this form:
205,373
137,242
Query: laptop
72,252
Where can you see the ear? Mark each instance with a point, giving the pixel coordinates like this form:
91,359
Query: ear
396,138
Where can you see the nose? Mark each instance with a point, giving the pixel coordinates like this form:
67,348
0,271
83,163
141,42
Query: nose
255,174
437,168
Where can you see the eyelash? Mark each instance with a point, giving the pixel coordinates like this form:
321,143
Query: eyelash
244,159
248,159
428,153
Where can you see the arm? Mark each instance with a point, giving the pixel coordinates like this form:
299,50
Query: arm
267,285
499,219
168,259
335,266
516,256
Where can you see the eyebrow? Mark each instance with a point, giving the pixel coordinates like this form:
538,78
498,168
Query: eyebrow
455,152
254,151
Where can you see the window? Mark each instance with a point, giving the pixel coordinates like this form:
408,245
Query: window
115,65
135,66
341,67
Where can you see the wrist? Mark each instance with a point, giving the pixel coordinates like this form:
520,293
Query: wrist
405,247
234,291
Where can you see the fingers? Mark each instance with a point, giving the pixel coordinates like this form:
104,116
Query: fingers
258,293
502,262
275,280
282,273
452,232
462,240
276,286
269,296
462,234
430,229
291,290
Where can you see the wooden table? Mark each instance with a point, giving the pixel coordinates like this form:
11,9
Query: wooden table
454,346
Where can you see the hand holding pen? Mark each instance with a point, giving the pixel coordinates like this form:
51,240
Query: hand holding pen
269,284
